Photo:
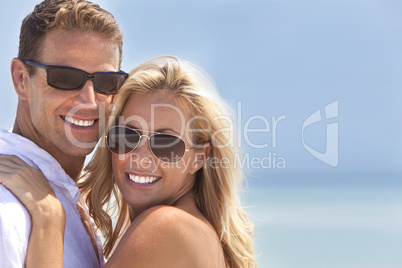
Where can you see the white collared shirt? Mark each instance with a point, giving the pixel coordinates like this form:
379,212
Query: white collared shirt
15,221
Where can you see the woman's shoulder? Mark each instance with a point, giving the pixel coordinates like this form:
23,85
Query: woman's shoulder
162,213
173,223
165,236
167,217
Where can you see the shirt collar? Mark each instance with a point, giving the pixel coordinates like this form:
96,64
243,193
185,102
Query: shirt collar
33,155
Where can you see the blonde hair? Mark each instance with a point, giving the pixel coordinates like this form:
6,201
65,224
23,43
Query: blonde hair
216,188
69,15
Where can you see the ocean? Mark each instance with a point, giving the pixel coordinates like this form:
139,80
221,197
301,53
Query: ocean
326,220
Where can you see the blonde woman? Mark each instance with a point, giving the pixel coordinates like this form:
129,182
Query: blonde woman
168,159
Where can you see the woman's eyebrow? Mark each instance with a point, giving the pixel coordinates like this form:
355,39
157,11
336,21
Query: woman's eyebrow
131,126
167,129
161,130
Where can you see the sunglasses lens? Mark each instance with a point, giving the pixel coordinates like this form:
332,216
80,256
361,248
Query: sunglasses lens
167,148
71,79
122,140
65,78
108,82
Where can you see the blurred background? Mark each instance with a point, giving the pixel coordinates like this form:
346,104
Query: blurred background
317,89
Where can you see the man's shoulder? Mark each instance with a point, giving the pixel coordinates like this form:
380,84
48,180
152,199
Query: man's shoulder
14,144
15,228
12,207
7,137
15,221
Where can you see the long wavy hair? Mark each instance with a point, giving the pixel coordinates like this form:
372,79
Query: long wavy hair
216,188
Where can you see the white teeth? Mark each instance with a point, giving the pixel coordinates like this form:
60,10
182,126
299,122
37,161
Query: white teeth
142,179
80,123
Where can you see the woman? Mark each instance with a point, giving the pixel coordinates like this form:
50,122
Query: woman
168,158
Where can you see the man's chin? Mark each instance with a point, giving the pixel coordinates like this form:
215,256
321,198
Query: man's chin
82,149
81,152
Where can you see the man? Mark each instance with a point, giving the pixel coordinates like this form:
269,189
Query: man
65,76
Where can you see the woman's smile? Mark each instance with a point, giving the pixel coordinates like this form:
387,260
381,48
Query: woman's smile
142,181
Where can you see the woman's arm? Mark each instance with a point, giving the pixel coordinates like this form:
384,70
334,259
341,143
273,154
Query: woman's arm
32,189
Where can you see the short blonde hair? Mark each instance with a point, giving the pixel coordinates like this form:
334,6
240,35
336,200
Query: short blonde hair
216,188
70,15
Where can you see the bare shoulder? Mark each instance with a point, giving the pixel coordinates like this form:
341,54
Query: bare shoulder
166,236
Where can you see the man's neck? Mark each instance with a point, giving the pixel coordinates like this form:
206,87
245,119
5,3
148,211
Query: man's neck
72,165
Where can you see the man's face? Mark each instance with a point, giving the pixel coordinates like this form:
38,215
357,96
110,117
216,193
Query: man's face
66,121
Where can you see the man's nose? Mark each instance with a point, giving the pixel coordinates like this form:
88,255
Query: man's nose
88,94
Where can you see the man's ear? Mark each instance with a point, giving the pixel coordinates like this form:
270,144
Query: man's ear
20,76
201,155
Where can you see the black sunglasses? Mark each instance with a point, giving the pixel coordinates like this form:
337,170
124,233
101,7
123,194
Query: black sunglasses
167,147
68,78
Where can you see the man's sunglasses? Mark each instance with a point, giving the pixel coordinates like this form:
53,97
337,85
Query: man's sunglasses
168,148
68,78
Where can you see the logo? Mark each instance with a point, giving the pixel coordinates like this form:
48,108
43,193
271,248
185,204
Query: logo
330,156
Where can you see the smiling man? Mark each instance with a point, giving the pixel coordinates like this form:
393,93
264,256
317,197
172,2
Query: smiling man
66,73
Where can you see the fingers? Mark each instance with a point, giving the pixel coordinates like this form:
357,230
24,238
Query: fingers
12,169
17,176
30,186
11,163
12,160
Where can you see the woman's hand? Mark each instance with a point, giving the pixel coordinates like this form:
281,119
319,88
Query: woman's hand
31,187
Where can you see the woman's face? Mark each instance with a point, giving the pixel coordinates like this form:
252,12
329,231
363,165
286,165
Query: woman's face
142,178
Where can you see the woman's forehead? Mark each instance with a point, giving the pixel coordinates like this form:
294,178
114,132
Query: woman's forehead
154,111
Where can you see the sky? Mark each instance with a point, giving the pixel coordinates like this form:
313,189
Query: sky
317,88
276,63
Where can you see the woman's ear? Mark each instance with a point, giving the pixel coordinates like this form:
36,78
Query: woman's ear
20,76
201,155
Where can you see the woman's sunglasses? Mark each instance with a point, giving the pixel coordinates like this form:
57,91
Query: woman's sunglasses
68,78
168,148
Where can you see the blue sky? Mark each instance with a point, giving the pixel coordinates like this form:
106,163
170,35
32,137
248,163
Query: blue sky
288,59
277,58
